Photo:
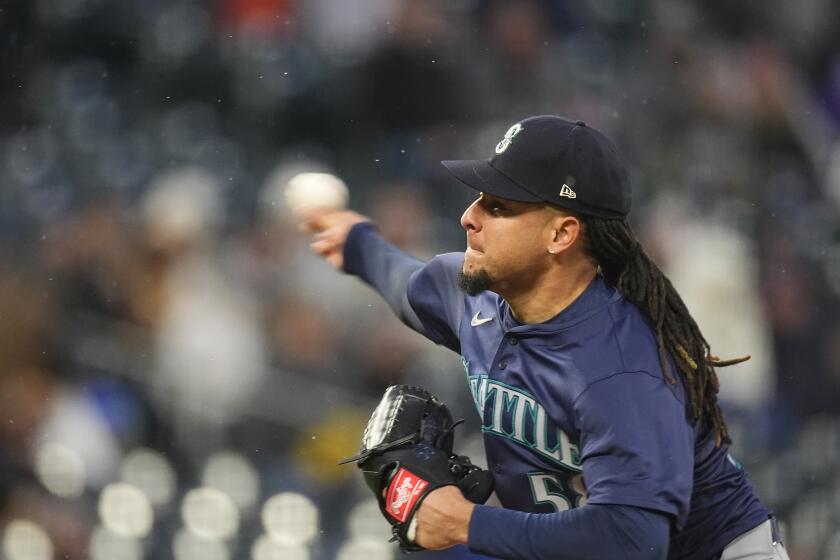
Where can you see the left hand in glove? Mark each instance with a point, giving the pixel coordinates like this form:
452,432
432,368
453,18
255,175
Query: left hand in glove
406,455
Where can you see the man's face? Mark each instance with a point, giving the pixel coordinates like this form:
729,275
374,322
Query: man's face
506,243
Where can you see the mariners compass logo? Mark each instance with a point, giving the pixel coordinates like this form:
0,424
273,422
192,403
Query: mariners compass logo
512,131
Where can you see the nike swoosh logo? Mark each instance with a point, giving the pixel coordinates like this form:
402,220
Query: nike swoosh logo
476,321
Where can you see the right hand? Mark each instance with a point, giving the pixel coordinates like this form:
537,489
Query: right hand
330,228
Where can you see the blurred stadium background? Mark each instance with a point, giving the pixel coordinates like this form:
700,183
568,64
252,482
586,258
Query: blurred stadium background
178,375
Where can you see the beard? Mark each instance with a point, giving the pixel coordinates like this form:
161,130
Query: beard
474,283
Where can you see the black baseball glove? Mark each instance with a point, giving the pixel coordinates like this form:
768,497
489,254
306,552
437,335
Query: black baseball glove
407,452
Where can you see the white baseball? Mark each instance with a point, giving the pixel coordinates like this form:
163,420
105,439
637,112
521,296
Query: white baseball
316,190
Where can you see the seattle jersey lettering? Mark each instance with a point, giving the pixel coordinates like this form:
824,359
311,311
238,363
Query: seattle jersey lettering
513,413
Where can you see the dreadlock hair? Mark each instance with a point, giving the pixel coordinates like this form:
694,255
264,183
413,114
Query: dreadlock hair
624,264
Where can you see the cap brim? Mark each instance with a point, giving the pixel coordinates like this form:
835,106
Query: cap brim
483,177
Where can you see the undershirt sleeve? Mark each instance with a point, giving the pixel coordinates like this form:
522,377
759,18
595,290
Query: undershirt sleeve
424,295
586,533
384,267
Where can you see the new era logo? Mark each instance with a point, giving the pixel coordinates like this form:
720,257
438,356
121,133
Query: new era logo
567,191
404,491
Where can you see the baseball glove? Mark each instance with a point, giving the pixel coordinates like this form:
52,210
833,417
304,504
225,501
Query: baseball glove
407,453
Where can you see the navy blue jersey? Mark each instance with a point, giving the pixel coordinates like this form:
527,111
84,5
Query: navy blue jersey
576,410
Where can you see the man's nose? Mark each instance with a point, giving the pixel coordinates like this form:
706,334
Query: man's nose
470,219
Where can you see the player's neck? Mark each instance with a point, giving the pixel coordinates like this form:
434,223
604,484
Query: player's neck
550,293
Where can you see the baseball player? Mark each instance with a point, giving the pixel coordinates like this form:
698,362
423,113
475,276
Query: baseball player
596,388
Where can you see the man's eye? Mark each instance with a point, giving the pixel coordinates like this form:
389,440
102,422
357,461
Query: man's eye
492,207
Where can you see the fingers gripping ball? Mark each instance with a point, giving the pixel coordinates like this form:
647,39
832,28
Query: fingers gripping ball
407,453
306,191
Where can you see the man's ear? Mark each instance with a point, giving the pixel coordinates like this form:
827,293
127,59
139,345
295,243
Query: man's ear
565,231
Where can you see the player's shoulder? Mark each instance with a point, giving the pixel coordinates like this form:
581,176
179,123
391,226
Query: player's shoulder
442,266
447,261
615,337
637,345
437,281
632,328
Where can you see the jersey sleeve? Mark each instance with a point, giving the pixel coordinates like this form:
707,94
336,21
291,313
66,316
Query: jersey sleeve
382,266
636,444
437,300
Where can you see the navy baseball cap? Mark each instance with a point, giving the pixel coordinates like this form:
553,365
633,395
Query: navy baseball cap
550,159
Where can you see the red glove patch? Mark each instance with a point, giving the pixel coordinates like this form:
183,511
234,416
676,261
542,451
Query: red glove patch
403,492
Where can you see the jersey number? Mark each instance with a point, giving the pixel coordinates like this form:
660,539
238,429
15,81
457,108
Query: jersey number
562,494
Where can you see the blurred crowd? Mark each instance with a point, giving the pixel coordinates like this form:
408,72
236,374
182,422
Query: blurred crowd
155,293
